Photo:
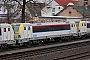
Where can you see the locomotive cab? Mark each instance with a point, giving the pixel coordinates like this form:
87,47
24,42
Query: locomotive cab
22,32
73,27
6,34
82,28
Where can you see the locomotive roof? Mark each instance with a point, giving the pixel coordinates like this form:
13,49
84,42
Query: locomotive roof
40,24
4,25
49,23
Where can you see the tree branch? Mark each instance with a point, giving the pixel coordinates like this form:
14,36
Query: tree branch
18,2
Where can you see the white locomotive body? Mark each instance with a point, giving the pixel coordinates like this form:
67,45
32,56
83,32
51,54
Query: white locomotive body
6,34
84,28
25,32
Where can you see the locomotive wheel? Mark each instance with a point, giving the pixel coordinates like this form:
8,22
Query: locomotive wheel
40,42
25,44
60,40
4,46
30,43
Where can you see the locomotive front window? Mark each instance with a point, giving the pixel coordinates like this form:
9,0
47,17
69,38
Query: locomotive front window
15,27
77,24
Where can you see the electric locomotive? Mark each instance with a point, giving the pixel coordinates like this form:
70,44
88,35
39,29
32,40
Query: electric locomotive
41,32
83,28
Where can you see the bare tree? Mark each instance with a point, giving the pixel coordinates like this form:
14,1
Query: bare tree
10,7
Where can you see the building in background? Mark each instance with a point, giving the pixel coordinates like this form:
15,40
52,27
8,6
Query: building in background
51,9
44,8
64,3
75,2
82,2
32,9
7,10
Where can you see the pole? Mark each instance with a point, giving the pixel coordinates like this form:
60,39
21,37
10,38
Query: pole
23,11
8,14
83,12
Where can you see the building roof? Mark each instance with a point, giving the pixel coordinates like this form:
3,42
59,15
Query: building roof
84,10
64,2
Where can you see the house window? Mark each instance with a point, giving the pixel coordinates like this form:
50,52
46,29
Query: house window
58,7
85,0
76,0
69,12
86,3
53,10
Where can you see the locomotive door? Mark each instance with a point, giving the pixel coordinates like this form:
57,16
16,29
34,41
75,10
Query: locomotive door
5,34
8,33
25,32
73,28
84,27
29,32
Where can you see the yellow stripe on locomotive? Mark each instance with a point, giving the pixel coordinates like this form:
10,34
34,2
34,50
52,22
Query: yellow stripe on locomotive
79,25
19,29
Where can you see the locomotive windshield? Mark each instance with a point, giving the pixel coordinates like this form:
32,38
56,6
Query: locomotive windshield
15,27
77,23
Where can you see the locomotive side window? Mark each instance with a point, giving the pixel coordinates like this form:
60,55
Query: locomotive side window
8,29
24,28
4,29
84,24
72,25
0,31
28,28
88,25
51,28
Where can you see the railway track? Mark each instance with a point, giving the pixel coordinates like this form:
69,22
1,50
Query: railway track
10,48
78,56
62,51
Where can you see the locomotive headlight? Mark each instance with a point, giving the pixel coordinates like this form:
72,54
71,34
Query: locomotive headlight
19,36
